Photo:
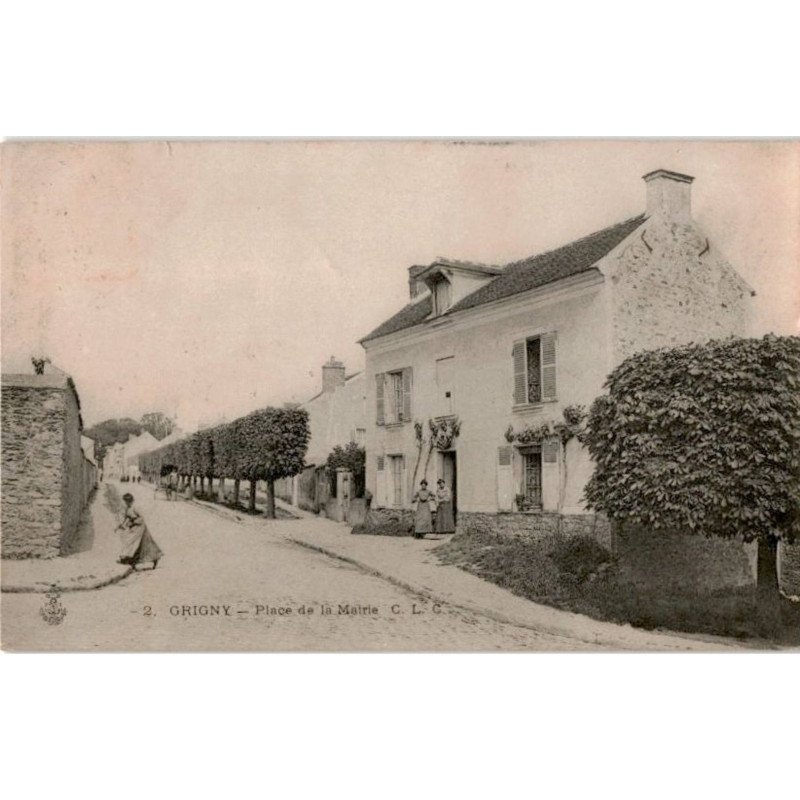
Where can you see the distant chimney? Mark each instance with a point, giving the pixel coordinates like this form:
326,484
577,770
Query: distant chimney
332,375
669,194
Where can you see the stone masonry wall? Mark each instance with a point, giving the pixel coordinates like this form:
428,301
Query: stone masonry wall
671,287
536,525
72,484
674,561
32,457
789,555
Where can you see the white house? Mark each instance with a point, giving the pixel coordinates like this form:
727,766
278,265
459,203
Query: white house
505,350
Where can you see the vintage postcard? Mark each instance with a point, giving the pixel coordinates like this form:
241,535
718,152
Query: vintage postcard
400,396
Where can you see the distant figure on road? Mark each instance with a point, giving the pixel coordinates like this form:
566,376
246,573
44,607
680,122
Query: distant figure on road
138,546
173,483
423,521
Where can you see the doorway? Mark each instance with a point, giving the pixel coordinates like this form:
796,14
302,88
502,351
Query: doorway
450,474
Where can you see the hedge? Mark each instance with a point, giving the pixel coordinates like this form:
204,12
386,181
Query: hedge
265,445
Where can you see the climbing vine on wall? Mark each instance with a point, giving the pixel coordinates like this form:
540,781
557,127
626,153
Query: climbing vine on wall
571,426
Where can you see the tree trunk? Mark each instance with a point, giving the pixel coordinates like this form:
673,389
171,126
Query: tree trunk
221,490
768,598
236,485
251,502
202,485
270,510
427,463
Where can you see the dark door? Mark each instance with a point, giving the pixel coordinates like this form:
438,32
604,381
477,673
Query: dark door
450,475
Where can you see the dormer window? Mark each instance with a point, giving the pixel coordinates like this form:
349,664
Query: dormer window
442,295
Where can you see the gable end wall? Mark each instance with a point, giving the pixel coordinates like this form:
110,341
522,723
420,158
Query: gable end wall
666,291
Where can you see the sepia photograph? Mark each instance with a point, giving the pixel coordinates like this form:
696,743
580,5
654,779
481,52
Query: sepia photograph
400,396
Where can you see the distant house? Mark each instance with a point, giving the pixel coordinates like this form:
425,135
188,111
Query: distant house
337,416
122,458
46,477
505,350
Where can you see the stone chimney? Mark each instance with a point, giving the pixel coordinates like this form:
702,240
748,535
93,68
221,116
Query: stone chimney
669,195
332,375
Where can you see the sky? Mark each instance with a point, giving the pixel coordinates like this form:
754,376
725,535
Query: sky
207,279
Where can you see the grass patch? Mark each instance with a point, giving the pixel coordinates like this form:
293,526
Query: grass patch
385,522
580,575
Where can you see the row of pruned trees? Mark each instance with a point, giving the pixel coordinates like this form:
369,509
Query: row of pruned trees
265,445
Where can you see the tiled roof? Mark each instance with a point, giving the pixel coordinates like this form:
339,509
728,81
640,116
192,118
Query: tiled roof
412,314
521,276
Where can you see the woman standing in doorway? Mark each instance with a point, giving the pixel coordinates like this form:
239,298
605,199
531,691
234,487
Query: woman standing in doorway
138,546
423,521
444,509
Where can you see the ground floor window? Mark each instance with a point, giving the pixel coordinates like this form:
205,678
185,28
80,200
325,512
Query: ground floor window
396,472
531,495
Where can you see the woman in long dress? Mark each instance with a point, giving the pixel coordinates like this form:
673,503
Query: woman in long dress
423,521
444,509
138,546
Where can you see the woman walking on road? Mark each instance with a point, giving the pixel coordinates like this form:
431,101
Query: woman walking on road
444,509
138,546
423,522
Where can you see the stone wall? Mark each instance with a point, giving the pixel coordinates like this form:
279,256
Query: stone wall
33,443
72,477
46,480
789,568
670,286
89,479
536,525
679,562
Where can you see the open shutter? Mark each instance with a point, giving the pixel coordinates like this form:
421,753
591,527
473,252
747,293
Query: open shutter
404,493
550,451
380,484
407,380
381,406
520,378
505,479
549,366
551,476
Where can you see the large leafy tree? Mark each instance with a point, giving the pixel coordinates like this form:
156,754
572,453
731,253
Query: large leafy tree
112,431
351,457
158,423
705,438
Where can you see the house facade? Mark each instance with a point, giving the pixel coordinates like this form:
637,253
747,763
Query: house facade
122,458
336,416
511,354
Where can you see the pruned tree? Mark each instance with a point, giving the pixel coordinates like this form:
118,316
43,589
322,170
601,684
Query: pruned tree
266,445
705,438
273,444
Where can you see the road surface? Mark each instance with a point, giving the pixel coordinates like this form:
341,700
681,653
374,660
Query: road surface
241,586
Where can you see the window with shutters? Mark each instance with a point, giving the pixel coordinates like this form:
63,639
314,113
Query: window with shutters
394,396
396,473
534,365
